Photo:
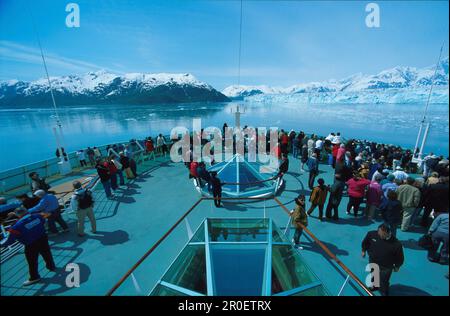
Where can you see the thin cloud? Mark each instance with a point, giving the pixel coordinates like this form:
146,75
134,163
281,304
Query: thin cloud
10,51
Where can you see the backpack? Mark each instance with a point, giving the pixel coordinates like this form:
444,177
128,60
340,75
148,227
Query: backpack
85,200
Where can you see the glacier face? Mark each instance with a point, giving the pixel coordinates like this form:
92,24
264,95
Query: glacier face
103,87
396,85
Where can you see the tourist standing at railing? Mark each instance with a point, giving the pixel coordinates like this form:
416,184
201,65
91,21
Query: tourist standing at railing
7,208
149,147
82,203
49,205
334,152
91,156
216,188
116,161
82,158
125,161
318,147
409,196
38,183
299,219
112,173
29,230
161,145
313,167
386,251
27,201
318,197
336,192
105,178
97,153
356,190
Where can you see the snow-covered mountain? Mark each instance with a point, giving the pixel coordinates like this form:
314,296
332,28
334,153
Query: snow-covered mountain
103,87
396,85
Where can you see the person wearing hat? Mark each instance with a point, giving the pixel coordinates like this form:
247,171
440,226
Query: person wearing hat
386,251
409,195
399,174
29,230
433,178
299,219
49,205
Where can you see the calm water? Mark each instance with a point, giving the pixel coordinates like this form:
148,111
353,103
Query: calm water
26,135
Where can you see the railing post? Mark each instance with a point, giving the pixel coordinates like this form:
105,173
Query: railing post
343,285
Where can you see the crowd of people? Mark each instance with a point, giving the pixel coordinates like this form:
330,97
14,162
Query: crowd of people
382,177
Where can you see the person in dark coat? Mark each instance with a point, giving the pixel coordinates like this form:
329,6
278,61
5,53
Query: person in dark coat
435,197
284,166
391,211
105,178
386,252
336,191
216,188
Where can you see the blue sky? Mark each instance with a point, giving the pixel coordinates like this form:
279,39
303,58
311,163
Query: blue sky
283,42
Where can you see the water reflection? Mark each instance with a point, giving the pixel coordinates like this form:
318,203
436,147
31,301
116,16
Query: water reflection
26,135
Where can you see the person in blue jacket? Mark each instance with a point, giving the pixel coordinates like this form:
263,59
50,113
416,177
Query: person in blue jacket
30,231
6,208
49,204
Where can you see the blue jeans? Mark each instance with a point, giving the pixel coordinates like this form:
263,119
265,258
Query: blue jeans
298,233
107,186
120,174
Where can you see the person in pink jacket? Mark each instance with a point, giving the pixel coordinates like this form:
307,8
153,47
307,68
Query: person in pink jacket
341,153
356,188
374,195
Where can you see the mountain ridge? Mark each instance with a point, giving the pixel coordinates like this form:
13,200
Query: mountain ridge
107,88
411,82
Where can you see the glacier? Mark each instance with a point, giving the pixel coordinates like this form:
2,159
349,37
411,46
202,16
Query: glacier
396,85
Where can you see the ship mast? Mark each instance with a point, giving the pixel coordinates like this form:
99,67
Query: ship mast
64,164
424,122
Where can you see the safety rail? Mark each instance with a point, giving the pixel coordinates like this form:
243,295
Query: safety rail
12,179
131,273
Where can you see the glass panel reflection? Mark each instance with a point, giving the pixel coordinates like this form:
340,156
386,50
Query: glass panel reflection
189,269
288,269
238,230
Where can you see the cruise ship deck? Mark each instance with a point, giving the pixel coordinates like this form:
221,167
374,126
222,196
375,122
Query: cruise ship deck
146,209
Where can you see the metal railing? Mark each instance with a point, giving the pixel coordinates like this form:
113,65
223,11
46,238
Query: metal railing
131,272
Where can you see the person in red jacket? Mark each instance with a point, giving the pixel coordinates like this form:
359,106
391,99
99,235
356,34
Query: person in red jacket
356,191
334,153
149,147
193,171
112,172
